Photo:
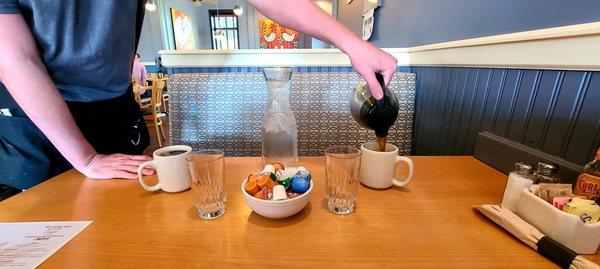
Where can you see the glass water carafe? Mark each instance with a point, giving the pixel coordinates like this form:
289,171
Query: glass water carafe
279,129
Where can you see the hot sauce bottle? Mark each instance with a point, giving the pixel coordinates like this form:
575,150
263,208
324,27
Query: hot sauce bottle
588,183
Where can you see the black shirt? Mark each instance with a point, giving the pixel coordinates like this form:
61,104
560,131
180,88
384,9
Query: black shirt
86,45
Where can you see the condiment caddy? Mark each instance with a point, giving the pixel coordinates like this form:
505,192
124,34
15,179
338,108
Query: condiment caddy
566,228
568,217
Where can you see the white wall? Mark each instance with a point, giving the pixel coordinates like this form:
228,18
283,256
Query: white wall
154,37
151,40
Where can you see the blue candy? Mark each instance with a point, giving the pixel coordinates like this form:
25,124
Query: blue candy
303,174
300,184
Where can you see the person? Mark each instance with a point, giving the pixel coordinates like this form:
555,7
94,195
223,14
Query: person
66,74
139,70
139,73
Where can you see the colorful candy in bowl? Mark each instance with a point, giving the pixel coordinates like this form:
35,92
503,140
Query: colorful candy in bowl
277,192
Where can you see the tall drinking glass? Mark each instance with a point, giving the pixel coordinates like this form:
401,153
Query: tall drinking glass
207,169
341,169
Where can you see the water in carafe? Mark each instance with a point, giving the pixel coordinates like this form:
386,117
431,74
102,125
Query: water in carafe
279,130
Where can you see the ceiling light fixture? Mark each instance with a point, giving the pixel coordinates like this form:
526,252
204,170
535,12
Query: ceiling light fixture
150,5
238,10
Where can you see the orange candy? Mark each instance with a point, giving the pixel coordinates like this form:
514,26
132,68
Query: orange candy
265,180
251,187
253,177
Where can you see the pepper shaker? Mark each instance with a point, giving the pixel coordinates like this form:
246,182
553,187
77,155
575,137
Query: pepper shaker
545,173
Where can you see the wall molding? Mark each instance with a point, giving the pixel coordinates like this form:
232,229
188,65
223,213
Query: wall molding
260,57
573,47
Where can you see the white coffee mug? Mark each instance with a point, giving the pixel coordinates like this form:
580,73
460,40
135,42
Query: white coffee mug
378,168
172,171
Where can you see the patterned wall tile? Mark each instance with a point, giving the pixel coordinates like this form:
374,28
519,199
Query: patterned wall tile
225,110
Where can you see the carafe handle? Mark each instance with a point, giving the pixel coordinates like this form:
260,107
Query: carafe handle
381,102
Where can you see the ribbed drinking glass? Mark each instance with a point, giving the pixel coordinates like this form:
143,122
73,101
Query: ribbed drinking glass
342,165
207,168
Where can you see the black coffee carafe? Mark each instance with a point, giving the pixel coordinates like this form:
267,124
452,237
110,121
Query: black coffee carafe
377,115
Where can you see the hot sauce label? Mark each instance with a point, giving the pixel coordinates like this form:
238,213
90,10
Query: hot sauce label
587,185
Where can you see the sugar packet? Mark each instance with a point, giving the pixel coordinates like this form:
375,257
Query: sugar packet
548,191
589,214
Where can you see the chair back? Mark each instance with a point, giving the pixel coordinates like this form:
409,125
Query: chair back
136,90
158,87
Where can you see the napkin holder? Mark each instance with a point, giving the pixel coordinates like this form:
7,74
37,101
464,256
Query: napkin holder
561,226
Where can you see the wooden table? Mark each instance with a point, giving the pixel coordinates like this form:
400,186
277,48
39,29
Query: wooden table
429,224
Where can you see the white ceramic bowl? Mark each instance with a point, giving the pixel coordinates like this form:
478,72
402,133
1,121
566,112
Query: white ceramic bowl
277,209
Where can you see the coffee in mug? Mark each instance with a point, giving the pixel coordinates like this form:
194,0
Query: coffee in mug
171,153
378,168
171,169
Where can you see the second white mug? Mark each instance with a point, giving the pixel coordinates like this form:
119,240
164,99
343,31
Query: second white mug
378,168
171,169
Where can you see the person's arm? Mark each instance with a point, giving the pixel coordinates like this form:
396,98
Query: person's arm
305,16
144,75
24,75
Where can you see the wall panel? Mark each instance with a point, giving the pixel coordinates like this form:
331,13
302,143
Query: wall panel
554,111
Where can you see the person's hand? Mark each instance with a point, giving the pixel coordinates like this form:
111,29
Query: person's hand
115,166
368,60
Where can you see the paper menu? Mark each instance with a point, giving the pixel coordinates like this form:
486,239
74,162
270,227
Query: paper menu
28,244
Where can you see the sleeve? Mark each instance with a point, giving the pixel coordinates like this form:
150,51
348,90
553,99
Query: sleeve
9,7
144,75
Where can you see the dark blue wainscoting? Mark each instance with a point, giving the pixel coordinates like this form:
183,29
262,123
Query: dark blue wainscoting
557,112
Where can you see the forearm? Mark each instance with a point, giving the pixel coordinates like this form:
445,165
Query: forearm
29,84
26,78
303,15
144,76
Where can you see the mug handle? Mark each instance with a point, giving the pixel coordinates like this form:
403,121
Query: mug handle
146,187
409,162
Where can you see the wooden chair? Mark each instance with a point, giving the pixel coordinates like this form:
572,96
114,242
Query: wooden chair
137,89
163,77
165,96
154,118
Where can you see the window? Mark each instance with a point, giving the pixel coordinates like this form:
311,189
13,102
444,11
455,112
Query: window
224,30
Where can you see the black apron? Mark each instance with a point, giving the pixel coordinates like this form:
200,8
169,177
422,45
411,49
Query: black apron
27,157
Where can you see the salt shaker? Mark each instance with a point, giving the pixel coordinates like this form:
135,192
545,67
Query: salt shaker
518,179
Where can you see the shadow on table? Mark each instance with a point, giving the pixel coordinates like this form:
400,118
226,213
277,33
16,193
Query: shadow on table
150,180
259,220
393,187
401,189
145,193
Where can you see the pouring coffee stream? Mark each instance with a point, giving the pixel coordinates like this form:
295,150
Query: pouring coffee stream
377,115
